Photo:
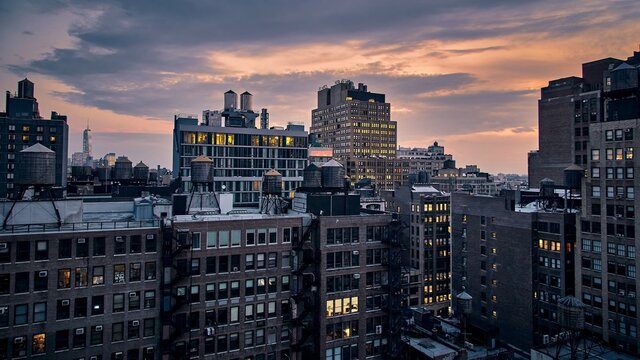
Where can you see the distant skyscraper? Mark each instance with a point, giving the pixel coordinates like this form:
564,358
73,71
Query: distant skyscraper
86,141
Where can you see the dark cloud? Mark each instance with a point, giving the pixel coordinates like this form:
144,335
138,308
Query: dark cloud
27,32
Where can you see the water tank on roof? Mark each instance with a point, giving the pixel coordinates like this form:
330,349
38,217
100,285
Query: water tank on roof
311,177
272,183
465,302
36,166
624,76
573,176
246,101
571,313
547,188
230,100
333,174
122,170
141,171
202,170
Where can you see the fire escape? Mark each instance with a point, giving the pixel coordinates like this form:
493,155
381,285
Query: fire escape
174,244
397,290
305,299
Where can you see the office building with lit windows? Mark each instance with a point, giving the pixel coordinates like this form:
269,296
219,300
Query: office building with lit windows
357,124
21,126
241,155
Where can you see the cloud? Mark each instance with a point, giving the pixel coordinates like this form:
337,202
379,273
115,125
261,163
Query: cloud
27,32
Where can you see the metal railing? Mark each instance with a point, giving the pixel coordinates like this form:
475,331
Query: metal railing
83,226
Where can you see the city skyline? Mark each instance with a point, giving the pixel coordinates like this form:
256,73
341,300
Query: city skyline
465,75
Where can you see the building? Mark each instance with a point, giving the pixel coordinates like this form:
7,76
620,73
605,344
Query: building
86,287
429,160
425,211
514,254
357,124
20,127
241,156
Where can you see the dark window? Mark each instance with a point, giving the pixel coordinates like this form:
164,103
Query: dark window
5,283
97,305
150,243
42,250
23,251
120,245
211,265
133,329
80,309
5,253
64,248
82,248
150,270
63,309
96,335
117,332
40,280
22,282
98,246
135,245
62,339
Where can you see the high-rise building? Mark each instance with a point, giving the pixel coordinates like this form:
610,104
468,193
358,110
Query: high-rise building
20,127
514,254
608,251
357,124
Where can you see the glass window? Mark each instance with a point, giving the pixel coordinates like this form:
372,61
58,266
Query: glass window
235,238
98,246
98,275
38,344
64,278
81,277
20,314
223,239
150,270
595,154
212,239
118,303
42,250
119,274
97,305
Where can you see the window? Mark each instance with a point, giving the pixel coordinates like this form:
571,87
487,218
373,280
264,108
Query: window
134,300
150,270
212,239
195,241
98,275
97,305
119,245
20,314
42,250
22,282
38,344
609,153
82,248
629,173
248,262
63,310
595,172
133,329
39,312
235,238
608,135
64,248
64,278
135,245
149,299
62,340
96,337
119,274
595,154
273,236
118,303
98,246
629,153
149,327
135,271
80,307
619,155
223,239
40,280
250,237
595,191
81,277
23,251
150,243
117,332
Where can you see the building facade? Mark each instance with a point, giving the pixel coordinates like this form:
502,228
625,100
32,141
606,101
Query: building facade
21,127
357,124
241,156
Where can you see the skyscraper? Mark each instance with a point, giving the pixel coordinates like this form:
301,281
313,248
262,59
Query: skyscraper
357,124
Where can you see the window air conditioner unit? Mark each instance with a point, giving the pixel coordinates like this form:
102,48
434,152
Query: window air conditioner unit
94,357
133,295
210,331
356,252
18,340
135,323
356,276
43,273
80,331
3,247
545,339
150,237
65,302
148,350
82,240
98,327
378,329
119,238
3,310
118,355
235,268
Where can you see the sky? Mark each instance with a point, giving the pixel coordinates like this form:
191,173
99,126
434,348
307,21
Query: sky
465,73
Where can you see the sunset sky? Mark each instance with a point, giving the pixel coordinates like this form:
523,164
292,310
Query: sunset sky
464,73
